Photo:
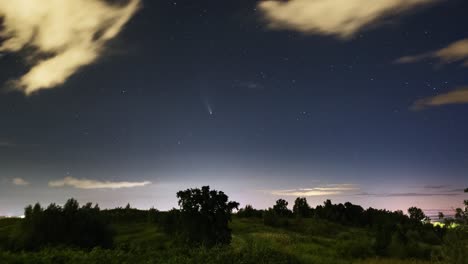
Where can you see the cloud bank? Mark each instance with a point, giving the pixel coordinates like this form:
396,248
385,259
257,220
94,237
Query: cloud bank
333,189
341,18
93,184
457,51
458,96
63,36
20,182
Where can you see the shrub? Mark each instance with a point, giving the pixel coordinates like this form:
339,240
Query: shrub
454,249
355,248
170,221
248,211
272,218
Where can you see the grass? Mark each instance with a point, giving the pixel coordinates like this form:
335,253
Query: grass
309,241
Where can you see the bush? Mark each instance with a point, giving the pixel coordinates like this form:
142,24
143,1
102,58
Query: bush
355,248
454,249
248,211
170,221
271,218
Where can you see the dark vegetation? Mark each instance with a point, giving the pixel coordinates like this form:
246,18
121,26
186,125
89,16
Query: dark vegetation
205,230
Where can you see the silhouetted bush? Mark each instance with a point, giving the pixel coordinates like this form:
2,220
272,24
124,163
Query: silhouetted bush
170,221
127,214
272,218
248,211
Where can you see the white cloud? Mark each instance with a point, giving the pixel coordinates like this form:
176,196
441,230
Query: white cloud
333,189
457,51
64,34
342,18
94,184
458,96
20,182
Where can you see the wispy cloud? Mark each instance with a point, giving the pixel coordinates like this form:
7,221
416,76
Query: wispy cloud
341,18
20,182
457,51
458,96
457,190
333,189
64,36
408,194
94,184
416,194
437,187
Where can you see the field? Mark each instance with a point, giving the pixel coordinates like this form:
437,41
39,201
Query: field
305,241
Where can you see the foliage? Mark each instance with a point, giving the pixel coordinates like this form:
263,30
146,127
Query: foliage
301,208
416,214
248,211
70,226
343,213
455,247
281,208
169,221
272,218
204,216
330,233
129,214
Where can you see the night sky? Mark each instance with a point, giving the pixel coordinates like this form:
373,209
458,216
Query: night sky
131,101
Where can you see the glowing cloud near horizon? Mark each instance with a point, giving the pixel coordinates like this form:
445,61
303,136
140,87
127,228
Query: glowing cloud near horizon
333,189
94,184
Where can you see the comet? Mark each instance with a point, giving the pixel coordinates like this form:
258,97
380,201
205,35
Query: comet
208,106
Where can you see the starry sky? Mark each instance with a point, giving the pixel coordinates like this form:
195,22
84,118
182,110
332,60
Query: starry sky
131,101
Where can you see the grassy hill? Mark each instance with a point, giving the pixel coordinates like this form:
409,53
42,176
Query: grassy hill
303,241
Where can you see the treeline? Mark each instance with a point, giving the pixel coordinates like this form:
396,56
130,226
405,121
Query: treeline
396,234
203,220
345,214
70,225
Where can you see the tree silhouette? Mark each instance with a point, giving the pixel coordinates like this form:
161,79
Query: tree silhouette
416,214
301,208
281,208
205,215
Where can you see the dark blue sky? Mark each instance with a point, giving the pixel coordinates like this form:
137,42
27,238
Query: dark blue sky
195,93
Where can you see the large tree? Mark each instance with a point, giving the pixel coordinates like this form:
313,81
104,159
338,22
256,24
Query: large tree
281,208
301,207
204,216
416,214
